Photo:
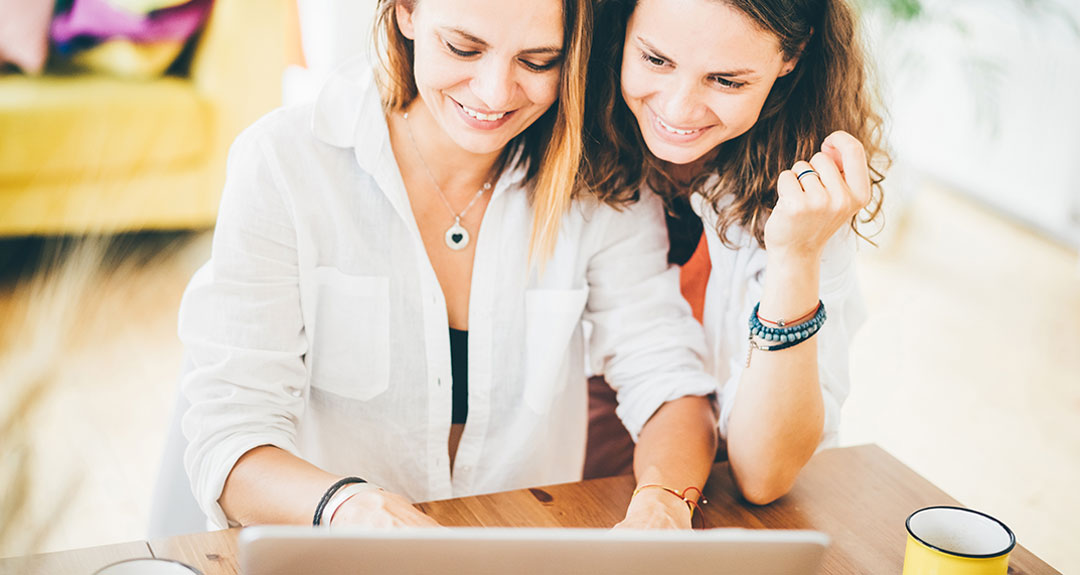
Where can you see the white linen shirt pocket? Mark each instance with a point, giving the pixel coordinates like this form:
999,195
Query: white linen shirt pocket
551,317
350,344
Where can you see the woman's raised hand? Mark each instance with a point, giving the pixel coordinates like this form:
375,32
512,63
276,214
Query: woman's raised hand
809,210
378,508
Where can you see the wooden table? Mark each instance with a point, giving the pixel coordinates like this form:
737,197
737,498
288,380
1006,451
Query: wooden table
860,496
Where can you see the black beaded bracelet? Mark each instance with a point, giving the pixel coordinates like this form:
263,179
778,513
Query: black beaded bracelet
778,338
330,494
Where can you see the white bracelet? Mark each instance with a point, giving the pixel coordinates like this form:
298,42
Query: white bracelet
342,496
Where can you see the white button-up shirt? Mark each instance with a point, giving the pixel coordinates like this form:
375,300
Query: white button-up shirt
319,326
735,286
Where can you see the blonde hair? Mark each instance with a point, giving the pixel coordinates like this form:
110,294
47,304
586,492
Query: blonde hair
550,148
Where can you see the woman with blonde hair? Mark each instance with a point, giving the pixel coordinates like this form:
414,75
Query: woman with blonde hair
753,119
398,281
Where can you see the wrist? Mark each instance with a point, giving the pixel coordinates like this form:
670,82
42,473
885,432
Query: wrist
793,261
791,286
358,506
336,495
657,494
654,502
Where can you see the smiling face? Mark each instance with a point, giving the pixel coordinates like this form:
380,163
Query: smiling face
696,74
485,70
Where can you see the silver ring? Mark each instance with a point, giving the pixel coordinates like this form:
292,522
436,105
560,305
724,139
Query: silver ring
805,173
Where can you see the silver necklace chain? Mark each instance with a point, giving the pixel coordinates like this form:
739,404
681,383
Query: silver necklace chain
457,237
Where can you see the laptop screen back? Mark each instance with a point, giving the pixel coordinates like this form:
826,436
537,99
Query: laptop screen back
526,551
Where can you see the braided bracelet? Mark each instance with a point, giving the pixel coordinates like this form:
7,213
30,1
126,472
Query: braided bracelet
690,503
783,337
329,494
782,322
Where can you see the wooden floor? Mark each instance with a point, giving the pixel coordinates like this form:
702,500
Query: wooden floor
967,370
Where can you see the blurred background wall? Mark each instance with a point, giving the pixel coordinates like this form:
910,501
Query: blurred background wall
982,94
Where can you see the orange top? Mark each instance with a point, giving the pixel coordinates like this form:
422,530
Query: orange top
695,276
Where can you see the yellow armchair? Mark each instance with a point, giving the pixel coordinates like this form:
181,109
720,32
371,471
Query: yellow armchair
95,154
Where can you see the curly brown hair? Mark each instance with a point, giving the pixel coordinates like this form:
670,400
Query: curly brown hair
831,78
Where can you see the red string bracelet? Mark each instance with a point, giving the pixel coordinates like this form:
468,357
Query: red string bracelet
782,322
701,495
690,503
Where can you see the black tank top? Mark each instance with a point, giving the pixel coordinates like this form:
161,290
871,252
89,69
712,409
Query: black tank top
459,370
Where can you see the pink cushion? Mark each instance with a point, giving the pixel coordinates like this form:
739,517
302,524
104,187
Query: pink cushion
100,20
24,33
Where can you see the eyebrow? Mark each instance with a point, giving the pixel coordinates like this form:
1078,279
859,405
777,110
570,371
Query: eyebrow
726,73
551,50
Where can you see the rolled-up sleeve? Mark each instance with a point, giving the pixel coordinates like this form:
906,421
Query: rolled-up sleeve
839,292
644,339
242,328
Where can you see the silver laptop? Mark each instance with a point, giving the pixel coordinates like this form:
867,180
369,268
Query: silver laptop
528,551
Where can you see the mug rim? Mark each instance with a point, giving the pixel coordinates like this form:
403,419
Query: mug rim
1012,536
194,570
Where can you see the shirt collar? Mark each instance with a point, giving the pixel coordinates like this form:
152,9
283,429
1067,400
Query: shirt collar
348,114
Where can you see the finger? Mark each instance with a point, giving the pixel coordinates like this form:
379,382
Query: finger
427,519
809,179
852,162
829,173
418,518
788,188
815,196
833,155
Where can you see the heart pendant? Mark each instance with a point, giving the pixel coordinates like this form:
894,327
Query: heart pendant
457,237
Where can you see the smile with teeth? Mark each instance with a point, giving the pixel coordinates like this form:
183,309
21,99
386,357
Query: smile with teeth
482,116
674,130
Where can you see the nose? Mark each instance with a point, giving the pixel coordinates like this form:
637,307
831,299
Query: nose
494,84
683,104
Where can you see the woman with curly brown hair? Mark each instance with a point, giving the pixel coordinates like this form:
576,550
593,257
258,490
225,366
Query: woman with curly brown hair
753,119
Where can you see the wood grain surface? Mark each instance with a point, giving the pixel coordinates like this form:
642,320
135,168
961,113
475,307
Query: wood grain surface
860,496
212,553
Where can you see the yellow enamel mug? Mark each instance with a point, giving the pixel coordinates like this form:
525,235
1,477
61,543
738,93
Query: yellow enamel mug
956,541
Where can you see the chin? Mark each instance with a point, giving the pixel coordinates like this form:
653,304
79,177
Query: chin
675,154
480,141
479,144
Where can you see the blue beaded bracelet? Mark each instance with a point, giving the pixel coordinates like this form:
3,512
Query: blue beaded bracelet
778,338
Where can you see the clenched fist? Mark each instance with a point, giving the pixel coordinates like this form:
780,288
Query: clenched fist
809,210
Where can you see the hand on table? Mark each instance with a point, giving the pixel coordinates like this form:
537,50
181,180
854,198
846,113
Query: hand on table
656,509
378,508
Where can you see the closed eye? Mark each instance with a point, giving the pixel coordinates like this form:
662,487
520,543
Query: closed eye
459,52
729,84
542,67
653,60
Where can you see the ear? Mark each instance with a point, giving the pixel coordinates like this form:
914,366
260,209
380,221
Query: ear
789,65
404,17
